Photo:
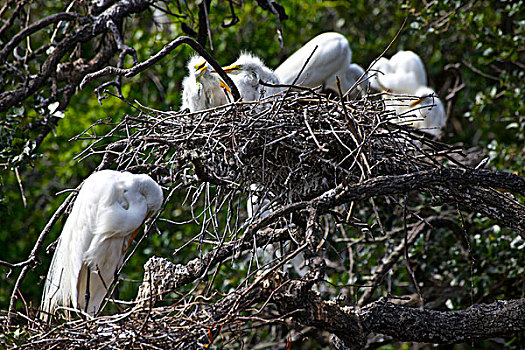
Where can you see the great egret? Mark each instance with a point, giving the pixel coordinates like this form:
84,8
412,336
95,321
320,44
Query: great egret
404,73
429,112
107,215
246,72
332,58
201,89
401,79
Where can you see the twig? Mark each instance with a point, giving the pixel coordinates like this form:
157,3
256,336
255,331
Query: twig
130,72
32,259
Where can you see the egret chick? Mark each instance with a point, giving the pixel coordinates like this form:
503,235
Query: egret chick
108,212
201,89
246,72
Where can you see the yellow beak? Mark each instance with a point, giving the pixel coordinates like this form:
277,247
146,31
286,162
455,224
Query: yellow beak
201,68
230,69
416,102
224,86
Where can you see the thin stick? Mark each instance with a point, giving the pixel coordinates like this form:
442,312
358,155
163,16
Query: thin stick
32,260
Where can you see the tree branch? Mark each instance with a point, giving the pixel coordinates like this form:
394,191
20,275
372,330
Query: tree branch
85,33
442,178
157,57
504,317
352,325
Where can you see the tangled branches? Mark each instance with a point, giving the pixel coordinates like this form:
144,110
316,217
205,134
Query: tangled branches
48,58
328,185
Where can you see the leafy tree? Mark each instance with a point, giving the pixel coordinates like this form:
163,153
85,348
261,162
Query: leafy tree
473,53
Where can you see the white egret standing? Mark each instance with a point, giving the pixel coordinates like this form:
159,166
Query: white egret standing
404,73
246,72
332,58
201,89
107,215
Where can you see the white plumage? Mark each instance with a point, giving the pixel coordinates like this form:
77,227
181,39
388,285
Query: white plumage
254,205
246,72
333,57
107,214
201,89
403,78
404,73
429,113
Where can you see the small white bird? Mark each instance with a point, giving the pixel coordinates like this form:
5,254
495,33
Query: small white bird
404,73
429,112
246,72
108,212
201,89
332,58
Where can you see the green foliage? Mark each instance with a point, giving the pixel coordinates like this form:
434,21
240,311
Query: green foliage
485,38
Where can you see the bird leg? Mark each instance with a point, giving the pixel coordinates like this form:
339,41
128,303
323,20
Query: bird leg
116,289
87,289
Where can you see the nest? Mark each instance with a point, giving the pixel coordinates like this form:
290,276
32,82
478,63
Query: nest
291,148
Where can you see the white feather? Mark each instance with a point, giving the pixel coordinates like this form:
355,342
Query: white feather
201,88
109,208
333,57
246,72
404,73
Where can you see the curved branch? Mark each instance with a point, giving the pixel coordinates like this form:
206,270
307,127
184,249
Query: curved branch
403,323
436,179
117,13
62,16
131,72
32,259
504,317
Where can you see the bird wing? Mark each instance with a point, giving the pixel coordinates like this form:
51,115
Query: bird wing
61,281
332,53
379,69
108,209
410,62
122,208
400,82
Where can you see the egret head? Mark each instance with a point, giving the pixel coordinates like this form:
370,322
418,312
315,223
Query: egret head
426,95
247,72
246,62
144,186
253,66
200,69
197,66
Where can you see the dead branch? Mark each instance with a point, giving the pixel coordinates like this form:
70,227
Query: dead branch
157,57
299,156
